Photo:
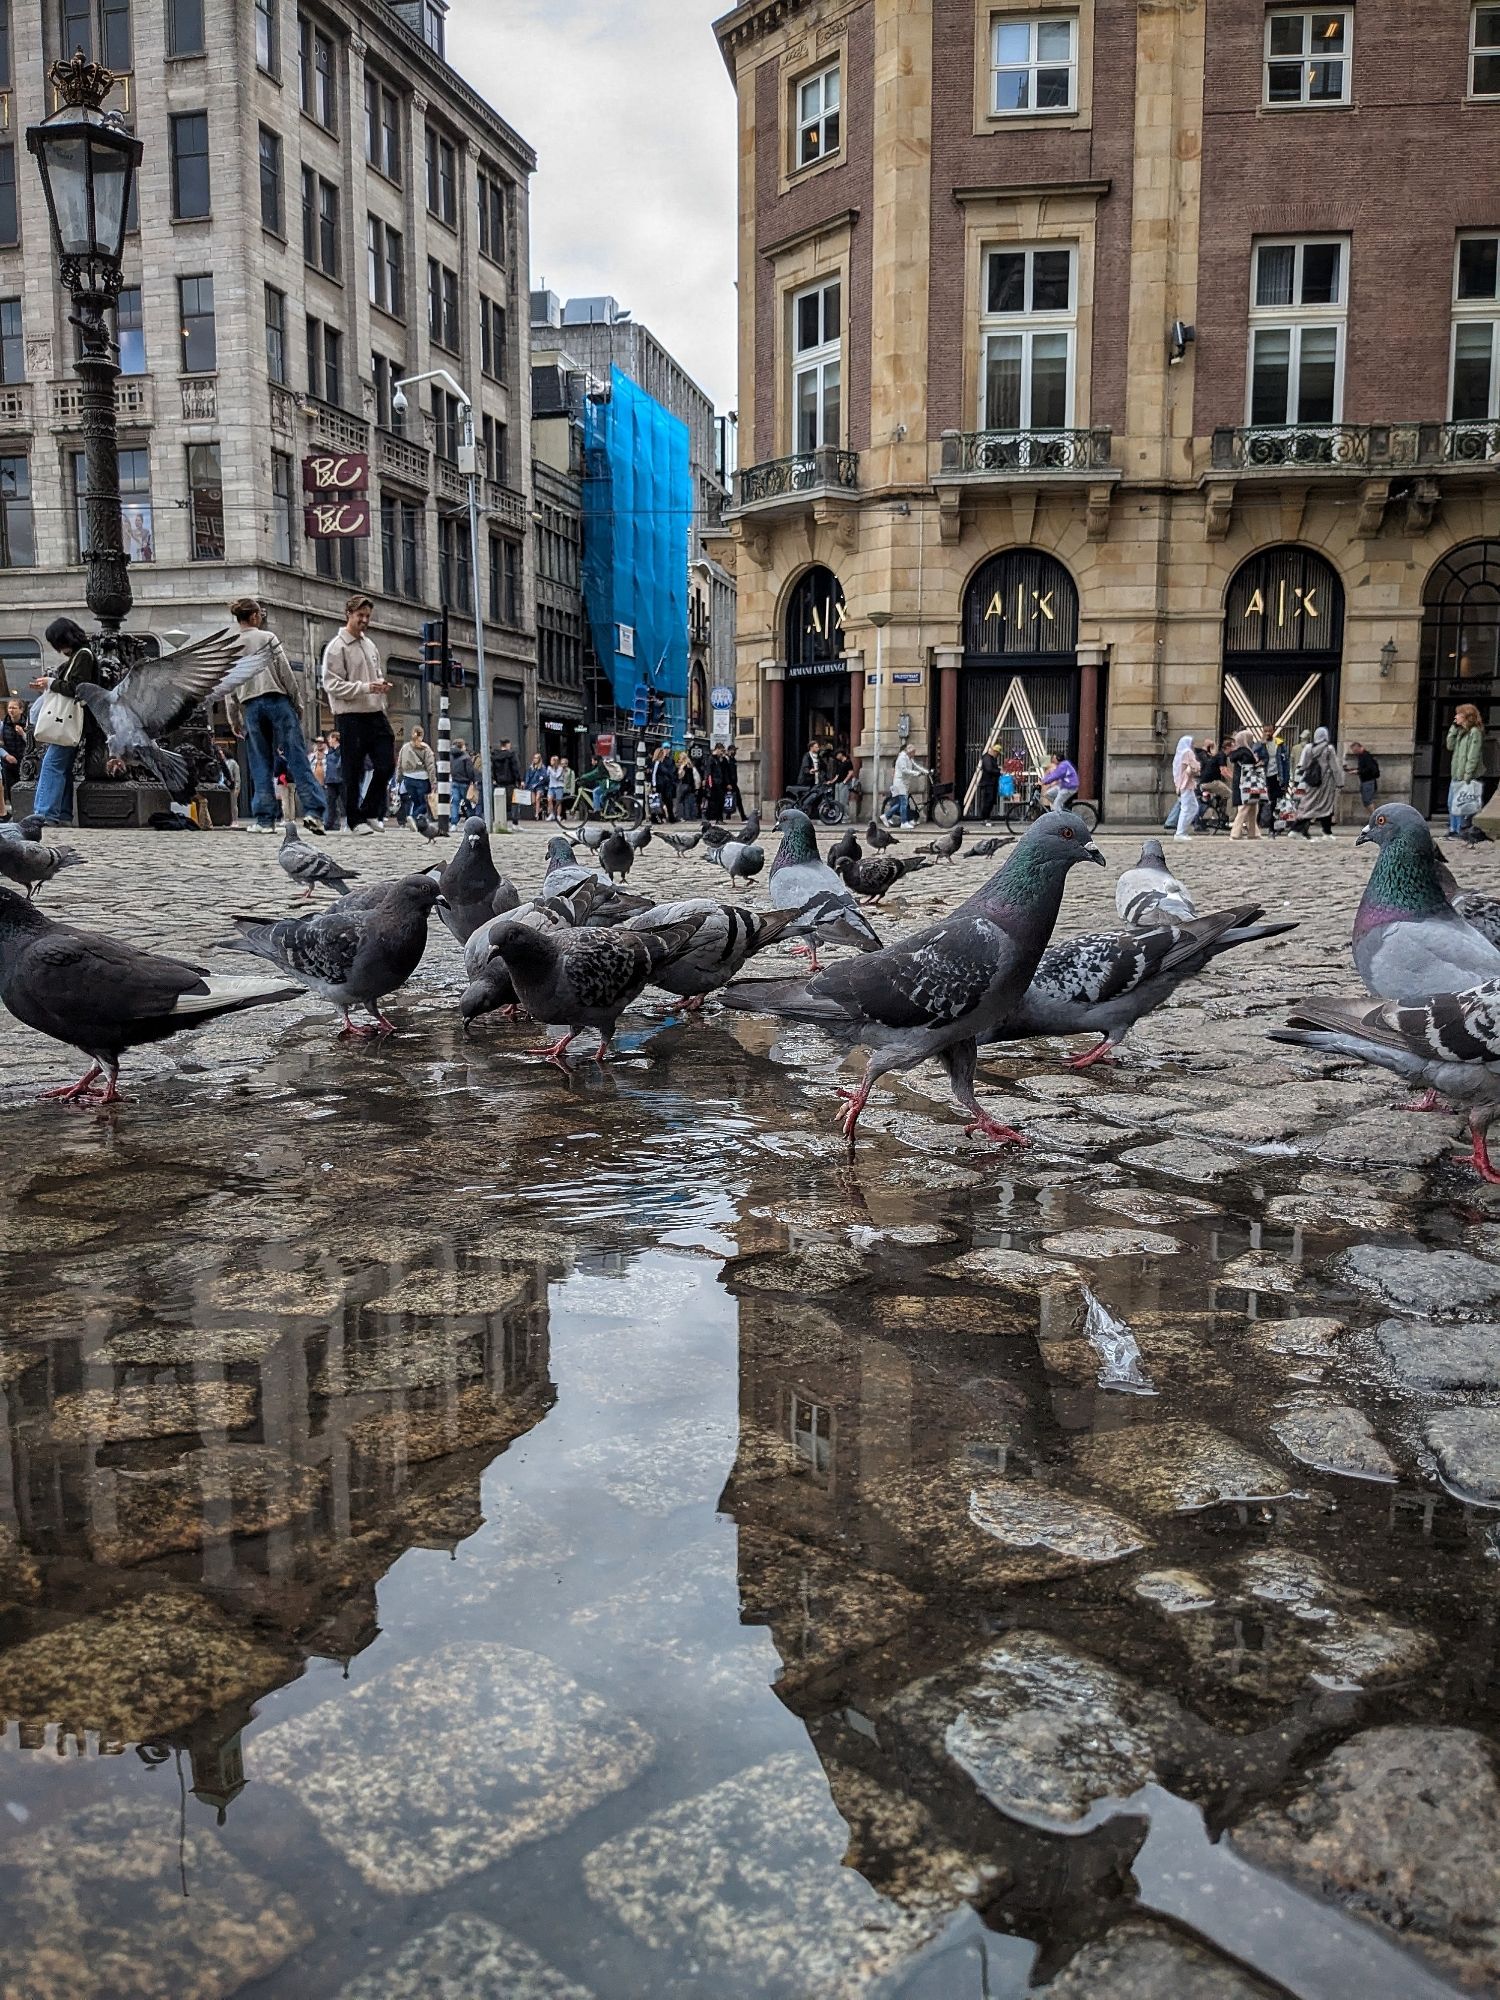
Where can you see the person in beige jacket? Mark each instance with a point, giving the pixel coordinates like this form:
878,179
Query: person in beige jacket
264,713
416,767
355,684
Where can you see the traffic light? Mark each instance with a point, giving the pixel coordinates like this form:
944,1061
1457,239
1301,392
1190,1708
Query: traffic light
434,654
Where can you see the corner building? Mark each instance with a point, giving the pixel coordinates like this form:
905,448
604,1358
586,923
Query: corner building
1141,362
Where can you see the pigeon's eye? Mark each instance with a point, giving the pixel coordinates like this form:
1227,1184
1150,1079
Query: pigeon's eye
1067,833
1380,819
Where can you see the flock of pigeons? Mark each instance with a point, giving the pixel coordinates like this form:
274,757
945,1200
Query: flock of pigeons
584,948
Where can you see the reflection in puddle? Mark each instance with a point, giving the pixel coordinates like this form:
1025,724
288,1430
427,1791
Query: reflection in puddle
583,1538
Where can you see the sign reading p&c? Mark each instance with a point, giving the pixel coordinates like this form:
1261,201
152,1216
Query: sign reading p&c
336,485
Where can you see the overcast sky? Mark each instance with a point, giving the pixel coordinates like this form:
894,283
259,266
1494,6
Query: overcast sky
632,115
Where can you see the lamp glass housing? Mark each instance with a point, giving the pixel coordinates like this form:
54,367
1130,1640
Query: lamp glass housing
88,162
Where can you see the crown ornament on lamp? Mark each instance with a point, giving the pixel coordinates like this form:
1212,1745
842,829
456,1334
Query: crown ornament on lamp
78,81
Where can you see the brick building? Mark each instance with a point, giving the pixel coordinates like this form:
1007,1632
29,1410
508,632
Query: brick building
1141,363
325,207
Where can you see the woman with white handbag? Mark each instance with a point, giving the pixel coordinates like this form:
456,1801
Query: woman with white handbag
1465,768
57,721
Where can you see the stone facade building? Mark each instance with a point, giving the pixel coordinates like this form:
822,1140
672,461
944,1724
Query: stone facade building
325,206
1141,363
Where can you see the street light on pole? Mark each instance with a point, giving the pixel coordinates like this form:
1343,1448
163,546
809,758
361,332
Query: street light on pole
87,161
469,464
879,619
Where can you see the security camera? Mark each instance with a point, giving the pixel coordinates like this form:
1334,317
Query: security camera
398,403
1180,340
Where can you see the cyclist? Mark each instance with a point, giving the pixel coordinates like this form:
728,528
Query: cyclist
1060,784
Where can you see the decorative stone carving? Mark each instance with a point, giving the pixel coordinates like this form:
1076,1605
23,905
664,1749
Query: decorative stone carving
1218,508
1097,515
1023,514
1293,512
1373,496
39,358
842,523
950,513
1421,505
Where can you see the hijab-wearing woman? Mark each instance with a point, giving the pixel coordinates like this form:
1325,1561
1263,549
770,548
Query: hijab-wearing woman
1466,766
1318,782
1185,770
1249,786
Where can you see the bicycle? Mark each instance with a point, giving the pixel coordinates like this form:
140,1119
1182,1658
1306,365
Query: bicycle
1027,803
817,801
938,806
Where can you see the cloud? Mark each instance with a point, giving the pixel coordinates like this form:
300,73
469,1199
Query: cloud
632,115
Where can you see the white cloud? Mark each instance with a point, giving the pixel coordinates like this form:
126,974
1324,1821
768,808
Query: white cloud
632,115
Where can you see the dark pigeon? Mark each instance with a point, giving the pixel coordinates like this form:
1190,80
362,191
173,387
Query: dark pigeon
157,696
880,835
311,866
985,850
350,956
103,997
29,864
727,935
617,856
946,846
490,987
638,837
845,848
1409,942
581,979
873,875
471,889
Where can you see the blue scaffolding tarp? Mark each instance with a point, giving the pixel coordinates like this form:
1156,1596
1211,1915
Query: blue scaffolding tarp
637,515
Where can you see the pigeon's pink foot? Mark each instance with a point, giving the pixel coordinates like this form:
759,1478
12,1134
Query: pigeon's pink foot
601,1054
1480,1161
553,1051
355,1031
1430,1100
111,1091
695,1004
73,1093
991,1128
808,951
1101,1052
307,898
856,1101
384,1026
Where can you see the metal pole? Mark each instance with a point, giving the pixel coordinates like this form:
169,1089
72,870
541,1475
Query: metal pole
108,591
879,624
486,778
445,739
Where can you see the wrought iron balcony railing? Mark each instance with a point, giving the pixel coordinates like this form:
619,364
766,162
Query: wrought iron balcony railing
1027,451
1356,447
805,472
1471,443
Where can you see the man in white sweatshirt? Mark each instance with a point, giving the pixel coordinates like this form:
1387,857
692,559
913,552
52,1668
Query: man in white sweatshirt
355,684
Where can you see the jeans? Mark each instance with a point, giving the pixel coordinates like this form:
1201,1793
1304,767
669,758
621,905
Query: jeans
54,785
1367,792
1187,812
272,724
415,792
1457,821
362,736
903,807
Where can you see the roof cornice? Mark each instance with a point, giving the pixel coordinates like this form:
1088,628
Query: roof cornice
749,21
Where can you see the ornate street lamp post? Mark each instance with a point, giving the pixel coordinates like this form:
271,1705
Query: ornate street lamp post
88,163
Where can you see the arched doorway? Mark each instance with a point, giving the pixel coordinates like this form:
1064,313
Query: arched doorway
1020,680
1460,660
1283,644
698,700
817,679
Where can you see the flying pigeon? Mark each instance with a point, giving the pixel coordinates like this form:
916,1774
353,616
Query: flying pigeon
312,865
638,837
471,889
1409,942
29,864
617,856
845,848
799,880
982,850
727,935
158,696
1104,983
946,845
350,956
103,997
683,843
1449,1042
873,875
1150,893
945,988
880,835
584,978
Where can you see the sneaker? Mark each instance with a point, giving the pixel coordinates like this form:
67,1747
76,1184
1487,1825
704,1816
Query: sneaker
377,824
314,825
255,826
365,826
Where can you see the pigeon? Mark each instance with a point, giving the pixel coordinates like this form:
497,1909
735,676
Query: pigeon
982,850
584,978
750,831
563,872
740,859
1450,1042
103,997
29,864
845,848
471,889
946,845
158,696
353,957
798,880
1150,893
943,989
592,835
727,935
1409,942
1104,983
683,843
1483,912
424,824
32,828
714,835
617,856
312,865
638,838
880,836
490,988
874,874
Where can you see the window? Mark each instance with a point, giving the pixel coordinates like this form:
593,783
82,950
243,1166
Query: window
200,347
1484,52
1297,333
185,28
137,535
319,95
493,213
816,366
1307,56
496,451
276,334
1034,64
205,503
190,176
267,37
434,27
6,72
382,129
400,546
130,332
455,575
447,424
272,208
817,117
387,376
1476,331
442,304
12,342
442,178
325,359
387,268
336,559
283,508
101,28
1028,329
10,216
492,339
505,581
320,223
17,534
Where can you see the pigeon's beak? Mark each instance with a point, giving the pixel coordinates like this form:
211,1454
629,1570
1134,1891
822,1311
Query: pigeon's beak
1364,836
1096,854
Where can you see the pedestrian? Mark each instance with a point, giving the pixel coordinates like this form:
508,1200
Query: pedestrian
733,799
987,797
357,691
1248,787
1185,784
1465,767
505,777
266,714
53,802
557,790
687,788
1367,771
807,770
908,778
717,780
1278,778
664,781
462,777
1318,770
416,767
1060,784
12,751
1214,782
333,781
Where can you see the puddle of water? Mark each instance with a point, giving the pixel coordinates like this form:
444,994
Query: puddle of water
455,1518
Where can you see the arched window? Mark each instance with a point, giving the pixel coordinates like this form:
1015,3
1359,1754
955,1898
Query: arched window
1283,644
698,701
1021,604
1460,659
815,622
1020,684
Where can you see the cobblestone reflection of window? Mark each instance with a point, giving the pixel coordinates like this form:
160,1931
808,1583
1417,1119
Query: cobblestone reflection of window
812,1438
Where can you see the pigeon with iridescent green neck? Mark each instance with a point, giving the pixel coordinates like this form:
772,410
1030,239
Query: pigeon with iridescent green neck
1409,941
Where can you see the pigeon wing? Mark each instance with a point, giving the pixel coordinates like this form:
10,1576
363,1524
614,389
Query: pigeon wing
74,984
161,694
932,982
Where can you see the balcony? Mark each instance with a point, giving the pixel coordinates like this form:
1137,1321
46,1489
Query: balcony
134,403
982,453
1389,462
451,483
200,399
398,458
335,429
1023,465
825,470
506,507
15,406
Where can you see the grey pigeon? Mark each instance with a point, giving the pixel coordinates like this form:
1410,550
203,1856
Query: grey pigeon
312,865
33,828
1150,893
638,837
683,843
1482,911
1409,942
581,979
593,835
983,850
29,864
727,935
490,987
879,835
158,696
563,872
750,830
350,956
845,848
799,880
873,875
1102,984
713,834
946,845
424,824
1449,1042
946,987
617,856
740,859
103,997
471,888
